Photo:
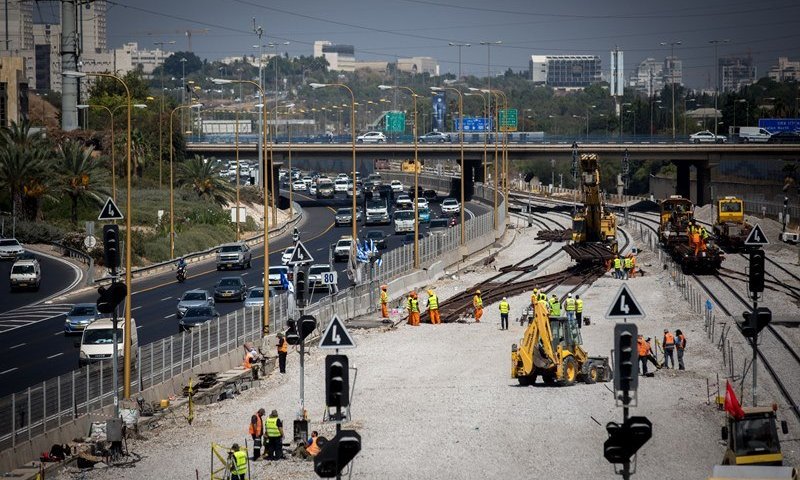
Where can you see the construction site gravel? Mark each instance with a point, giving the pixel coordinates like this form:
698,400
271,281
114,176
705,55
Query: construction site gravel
437,402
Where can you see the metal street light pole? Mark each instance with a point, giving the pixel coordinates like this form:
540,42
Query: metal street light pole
672,79
459,45
172,180
477,92
113,172
716,44
461,136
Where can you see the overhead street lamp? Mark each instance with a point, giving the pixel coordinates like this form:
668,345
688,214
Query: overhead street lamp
672,79
716,44
126,348
416,168
265,174
172,179
459,45
461,136
475,92
504,141
685,113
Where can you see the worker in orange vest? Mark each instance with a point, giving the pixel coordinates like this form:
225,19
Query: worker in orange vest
477,304
669,347
681,346
643,353
433,308
413,309
257,431
384,301
283,349
310,449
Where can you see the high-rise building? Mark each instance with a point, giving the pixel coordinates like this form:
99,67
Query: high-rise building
569,72
785,70
92,27
47,60
339,57
418,65
19,34
129,57
648,78
13,90
736,73
673,71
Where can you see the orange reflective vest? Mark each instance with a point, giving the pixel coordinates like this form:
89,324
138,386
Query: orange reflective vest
283,347
384,297
248,359
313,448
642,347
257,429
669,340
681,342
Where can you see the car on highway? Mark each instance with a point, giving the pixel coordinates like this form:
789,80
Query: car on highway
359,191
342,175
196,316
194,298
438,226
706,136
371,137
25,273
378,237
10,249
308,180
344,216
315,276
450,206
397,186
784,137
97,342
237,254
312,189
375,178
404,202
340,184
274,276
79,316
299,186
420,192
430,195
434,137
325,189
341,251
377,212
230,288
408,238
403,221
287,255
255,297
422,202
424,214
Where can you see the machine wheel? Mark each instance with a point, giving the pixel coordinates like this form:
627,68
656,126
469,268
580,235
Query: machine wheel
527,380
569,369
592,376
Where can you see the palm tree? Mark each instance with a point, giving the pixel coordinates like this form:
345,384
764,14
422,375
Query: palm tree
80,176
23,169
202,176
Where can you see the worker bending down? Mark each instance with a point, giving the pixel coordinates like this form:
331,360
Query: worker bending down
384,301
413,309
237,461
698,236
477,304
433,308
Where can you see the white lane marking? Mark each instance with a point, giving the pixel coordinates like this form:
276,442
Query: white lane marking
244,273
56,355
17,346
170,316
136,308
57,334
166,298
139,326
7,371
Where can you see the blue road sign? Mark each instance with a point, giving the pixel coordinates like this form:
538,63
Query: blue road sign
473,124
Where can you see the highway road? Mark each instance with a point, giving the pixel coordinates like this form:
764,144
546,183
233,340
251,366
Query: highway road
40,350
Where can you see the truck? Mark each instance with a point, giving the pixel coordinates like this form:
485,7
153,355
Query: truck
552,349
749,134
731,229
752,438
403,221
377,211
775,125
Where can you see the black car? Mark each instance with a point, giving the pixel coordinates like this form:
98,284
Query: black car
196,316
420,192
430,195
408,238
784,137
230,288
378,237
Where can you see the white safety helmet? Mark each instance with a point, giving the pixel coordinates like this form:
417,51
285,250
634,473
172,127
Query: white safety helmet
569,295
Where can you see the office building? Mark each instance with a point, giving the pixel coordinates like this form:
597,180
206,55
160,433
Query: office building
129,57
416,65
339,57
785,70
673,71
648,78
736,73
568,72
13,90
92,27
19,34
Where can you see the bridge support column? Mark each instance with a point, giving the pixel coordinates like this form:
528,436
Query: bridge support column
703,183
683,185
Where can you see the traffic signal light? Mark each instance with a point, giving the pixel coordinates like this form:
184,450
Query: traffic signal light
301,287
111,255
755,321
756,283
337,453
110,297
292,336
625,440
626,357
337,381
307,326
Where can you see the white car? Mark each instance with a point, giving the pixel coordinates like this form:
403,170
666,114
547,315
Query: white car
308,180
371,137
342,175
340,185
312,189
450,205
422,202
287,255
10,248
706,136
404,202
397,186
299,186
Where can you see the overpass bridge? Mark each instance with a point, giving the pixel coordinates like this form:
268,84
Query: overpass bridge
338,156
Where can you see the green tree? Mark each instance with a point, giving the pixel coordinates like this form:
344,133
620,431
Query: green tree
80,176
201,175
111,87
23,168
175,67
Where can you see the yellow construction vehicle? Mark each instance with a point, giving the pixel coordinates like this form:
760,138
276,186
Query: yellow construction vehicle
753,439
676,220
730,229
551,348
408,166
594,228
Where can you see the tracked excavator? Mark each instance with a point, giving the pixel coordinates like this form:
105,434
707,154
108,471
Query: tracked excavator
551,349
594,228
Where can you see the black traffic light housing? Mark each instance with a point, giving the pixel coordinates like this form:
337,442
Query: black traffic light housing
337,381
292,335
307,325
626,357
111,250
301,287
756,283
337,453
755,321
110,297
625,440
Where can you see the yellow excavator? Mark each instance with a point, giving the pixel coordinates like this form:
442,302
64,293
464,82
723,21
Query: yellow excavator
594,228
551,348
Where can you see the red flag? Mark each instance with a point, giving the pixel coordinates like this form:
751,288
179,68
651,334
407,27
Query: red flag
732,403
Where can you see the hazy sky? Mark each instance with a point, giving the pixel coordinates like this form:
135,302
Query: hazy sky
382,30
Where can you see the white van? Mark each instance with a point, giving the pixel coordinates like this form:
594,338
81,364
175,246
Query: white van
403,221
97,342
749,134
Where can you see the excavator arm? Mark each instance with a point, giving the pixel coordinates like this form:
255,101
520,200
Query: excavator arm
536,348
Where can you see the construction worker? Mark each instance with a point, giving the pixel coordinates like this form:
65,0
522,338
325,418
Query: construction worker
257,431
681,346
668,344
703,238
384,301
504,308
617,267
310,449
534,297
643,349
274,437
237,461
477,304
578,310
632,273
555,306
569,306
413,309
433,308
283,349
627,266
544,302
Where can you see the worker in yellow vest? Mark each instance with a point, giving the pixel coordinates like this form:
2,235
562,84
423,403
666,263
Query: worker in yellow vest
578,310
534,297
433,308
274,436
237,461
569,306
477,304
617,267
627,266
413,309
384,301
555,306
504,309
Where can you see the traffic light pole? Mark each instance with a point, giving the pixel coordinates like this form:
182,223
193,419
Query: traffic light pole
114,339
755,353
338,422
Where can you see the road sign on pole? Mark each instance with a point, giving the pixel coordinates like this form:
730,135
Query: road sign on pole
508,120
625,306
336,336
110,211
756,237
395,122
301,255
328,278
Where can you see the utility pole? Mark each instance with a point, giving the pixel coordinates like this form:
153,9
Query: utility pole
672,80
69,63
459,45
716,79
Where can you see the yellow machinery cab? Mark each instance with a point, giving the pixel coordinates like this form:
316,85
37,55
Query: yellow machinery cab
753,439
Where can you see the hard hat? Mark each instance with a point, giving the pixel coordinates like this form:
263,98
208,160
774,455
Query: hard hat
504,298
569,295
478,292
430,292
235,447
384,287
274,413
666,330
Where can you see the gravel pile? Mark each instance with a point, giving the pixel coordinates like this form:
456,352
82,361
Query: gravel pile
437,402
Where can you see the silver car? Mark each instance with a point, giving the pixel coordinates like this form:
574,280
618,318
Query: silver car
255,297
80,315
194,298
10,249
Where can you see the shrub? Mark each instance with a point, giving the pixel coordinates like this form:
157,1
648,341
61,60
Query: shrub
37,232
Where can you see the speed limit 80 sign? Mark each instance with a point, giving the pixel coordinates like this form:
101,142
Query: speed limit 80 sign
328,278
